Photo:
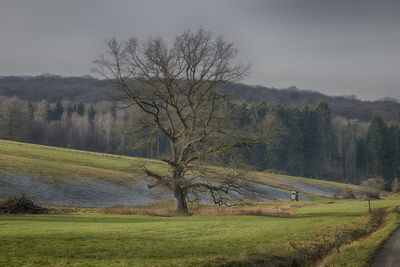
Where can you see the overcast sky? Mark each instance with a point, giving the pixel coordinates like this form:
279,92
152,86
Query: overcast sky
337,47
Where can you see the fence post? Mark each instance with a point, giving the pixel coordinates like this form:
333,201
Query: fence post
369,206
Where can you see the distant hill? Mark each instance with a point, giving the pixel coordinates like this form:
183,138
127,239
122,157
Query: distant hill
345,106
52,88
89,90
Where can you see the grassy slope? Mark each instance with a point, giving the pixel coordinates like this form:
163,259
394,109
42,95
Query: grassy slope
54,162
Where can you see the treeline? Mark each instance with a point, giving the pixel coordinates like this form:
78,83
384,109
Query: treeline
87,89
344,106
67,124
379,151
53,87
312,142
307,147
319,146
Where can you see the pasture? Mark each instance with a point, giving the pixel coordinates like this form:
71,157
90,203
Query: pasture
282,233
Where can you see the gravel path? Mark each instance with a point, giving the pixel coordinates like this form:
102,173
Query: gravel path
389,254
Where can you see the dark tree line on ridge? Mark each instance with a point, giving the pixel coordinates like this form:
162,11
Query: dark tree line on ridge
312,143
87,89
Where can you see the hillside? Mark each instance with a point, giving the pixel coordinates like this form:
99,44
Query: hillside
53,88
60,176
282,233
89,90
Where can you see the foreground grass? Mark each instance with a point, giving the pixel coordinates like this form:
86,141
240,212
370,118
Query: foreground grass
125,240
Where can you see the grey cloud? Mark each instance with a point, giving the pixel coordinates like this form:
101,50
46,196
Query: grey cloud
336,46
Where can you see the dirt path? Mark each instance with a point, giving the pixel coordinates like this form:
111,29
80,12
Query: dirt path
389,254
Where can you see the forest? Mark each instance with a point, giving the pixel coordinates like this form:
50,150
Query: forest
312,141
90,90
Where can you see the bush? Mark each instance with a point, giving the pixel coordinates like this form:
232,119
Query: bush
396,186
372,187
21,205
348,194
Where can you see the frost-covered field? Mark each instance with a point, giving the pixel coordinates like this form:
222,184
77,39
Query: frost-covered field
312,188
87,192
59,176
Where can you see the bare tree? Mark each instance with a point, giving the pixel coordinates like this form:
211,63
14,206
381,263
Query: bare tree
180,89
14,119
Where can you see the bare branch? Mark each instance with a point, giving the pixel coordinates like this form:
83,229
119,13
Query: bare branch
179,87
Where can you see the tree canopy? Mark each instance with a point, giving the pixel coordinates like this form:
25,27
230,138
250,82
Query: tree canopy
180,89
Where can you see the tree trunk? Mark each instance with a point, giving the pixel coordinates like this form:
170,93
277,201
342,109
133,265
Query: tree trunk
181,205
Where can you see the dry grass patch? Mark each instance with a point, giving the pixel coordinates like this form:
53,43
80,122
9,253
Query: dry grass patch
168,210
257,211
151,211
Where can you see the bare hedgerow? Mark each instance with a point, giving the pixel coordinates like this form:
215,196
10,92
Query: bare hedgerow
372,187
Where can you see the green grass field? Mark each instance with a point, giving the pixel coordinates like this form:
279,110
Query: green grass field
103,240
54,162
309,231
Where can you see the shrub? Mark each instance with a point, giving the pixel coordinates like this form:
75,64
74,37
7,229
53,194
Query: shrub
348,194
372,187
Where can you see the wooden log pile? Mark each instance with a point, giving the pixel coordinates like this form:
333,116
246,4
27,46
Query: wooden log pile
21,205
